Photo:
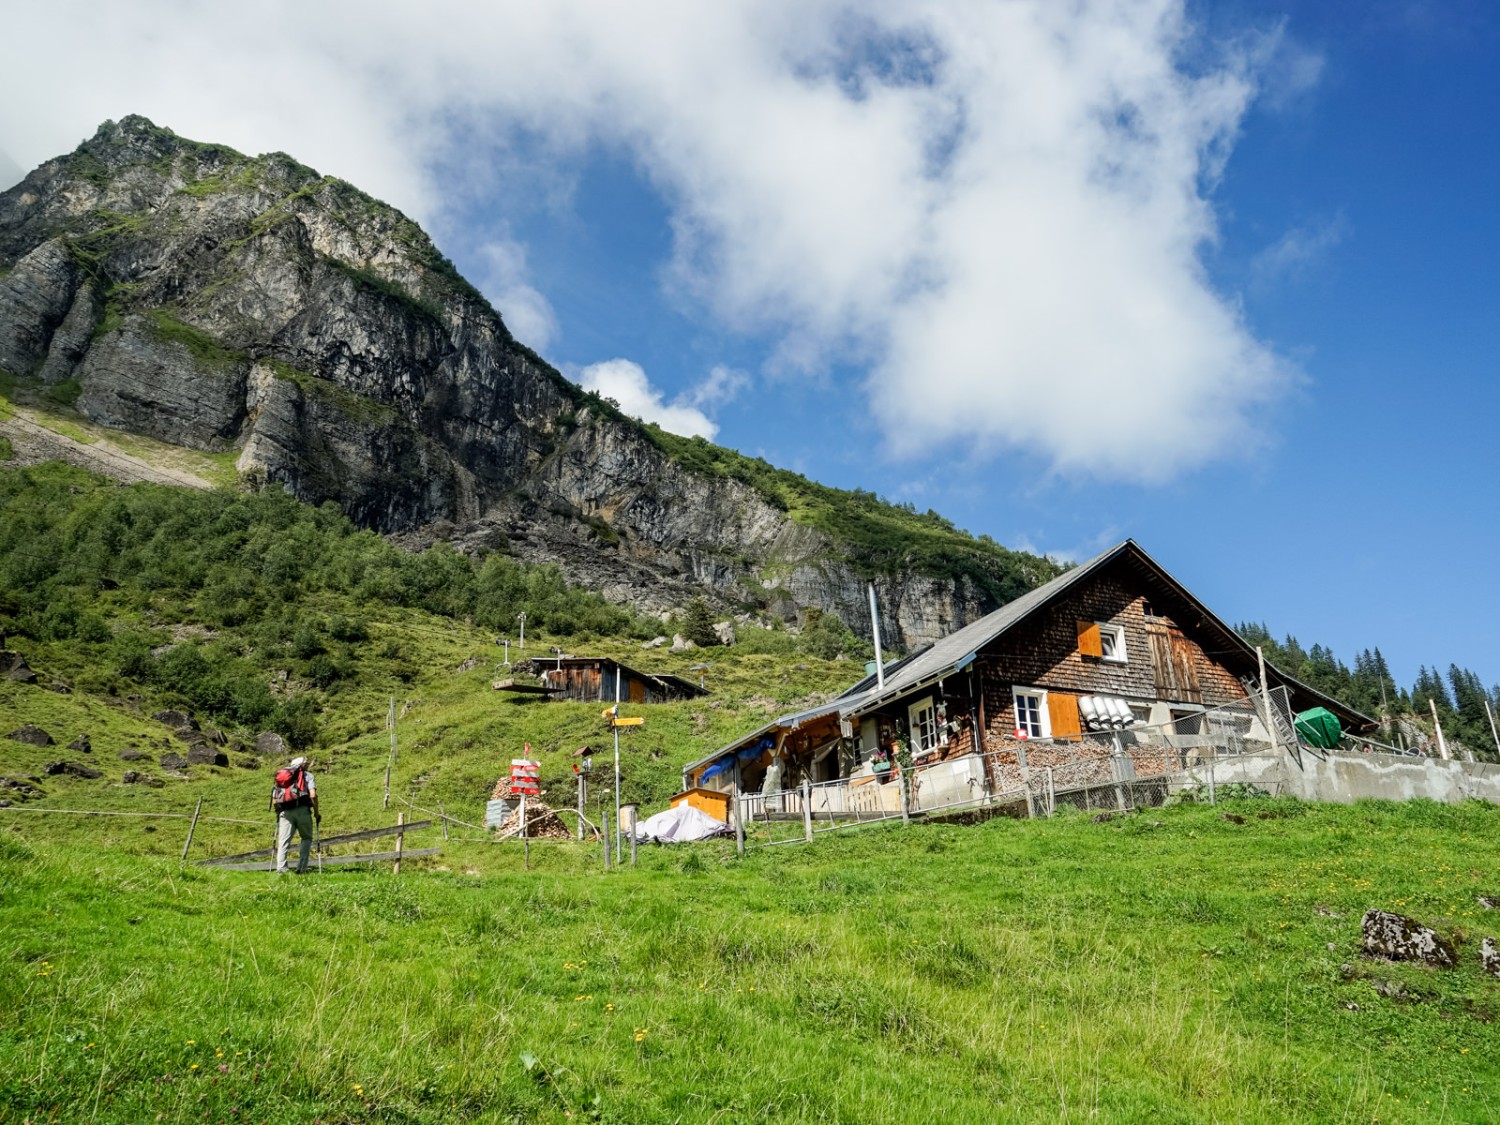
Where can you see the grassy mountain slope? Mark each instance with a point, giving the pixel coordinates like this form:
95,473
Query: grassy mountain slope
1173,966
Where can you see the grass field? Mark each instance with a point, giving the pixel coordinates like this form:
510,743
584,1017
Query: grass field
1171,965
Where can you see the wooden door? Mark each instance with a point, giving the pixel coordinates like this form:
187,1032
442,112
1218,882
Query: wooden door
1174,663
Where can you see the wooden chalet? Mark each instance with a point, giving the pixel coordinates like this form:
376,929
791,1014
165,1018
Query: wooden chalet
1112,644
597,679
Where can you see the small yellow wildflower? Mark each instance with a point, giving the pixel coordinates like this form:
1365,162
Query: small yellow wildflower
609,1007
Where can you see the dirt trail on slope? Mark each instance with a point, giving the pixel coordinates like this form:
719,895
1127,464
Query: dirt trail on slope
35,443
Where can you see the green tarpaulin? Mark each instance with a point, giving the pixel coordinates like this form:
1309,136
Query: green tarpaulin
1319,727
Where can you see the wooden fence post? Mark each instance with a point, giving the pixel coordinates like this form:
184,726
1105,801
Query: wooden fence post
807,809
444,817
192,826
1051,793
400,843
605,835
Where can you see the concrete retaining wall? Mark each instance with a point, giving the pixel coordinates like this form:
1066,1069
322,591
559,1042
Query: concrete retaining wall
1346,778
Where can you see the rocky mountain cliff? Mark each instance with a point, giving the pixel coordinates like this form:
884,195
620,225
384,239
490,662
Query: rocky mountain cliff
223,302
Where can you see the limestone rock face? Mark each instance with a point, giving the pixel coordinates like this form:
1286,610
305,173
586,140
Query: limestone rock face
225,302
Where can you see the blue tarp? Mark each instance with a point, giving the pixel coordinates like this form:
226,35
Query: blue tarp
749,753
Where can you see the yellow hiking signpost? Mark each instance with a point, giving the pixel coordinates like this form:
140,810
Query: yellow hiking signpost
611,715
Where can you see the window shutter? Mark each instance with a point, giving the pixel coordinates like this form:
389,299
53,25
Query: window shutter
1089,643
1062,714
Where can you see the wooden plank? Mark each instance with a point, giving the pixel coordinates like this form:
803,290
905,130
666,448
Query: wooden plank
1185,667
327,842
512,685
334,860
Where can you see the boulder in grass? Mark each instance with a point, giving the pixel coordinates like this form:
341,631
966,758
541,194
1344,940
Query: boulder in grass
271,744
82,744
205,755
1489,957
177,720
1399,938
131,777
173,762
16,668
131,755
73,769
21,788
32,735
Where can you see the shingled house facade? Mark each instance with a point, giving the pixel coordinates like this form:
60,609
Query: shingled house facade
1083,666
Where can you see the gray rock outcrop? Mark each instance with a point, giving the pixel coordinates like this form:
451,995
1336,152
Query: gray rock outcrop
1489,957
31,734
72,769
1399,938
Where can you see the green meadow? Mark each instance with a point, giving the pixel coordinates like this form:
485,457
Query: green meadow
1175,965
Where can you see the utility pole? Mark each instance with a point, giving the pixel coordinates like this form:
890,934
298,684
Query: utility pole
1442,742
875,632
1265,699
1493,731
615,726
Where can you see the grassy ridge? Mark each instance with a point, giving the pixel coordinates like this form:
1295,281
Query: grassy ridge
1172,965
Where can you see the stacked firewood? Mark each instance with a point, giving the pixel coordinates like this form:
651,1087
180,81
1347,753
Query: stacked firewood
542,821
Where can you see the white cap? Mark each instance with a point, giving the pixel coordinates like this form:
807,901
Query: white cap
298,763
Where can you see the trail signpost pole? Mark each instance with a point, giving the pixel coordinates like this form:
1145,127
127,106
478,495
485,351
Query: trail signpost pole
390,722
614,716
524,775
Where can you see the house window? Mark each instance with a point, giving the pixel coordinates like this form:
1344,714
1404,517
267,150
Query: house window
1112,643
1031,713
922,722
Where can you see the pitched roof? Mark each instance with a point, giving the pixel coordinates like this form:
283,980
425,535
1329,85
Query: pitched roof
954,652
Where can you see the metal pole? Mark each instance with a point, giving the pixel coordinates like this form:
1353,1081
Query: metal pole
580,805
192,826
1051,793
615,727
318,841
1493,731
807,809
521,617
1211,794
390,721
875,632
1265,701
525,838
1442,742
739,813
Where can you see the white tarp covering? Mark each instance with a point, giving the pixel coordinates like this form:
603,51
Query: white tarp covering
679,825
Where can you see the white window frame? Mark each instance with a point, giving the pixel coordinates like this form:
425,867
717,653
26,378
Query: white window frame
914,726
1044,720
1107,629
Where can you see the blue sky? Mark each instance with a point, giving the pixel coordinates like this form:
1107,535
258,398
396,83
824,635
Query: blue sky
1216,277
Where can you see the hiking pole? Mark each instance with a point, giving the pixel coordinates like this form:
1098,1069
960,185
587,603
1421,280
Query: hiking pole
318,841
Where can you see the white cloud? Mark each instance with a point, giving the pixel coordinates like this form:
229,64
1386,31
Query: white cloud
1296,252
997,209
526,312
722,386
626,383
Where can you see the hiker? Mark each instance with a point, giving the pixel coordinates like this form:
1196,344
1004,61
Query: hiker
294,798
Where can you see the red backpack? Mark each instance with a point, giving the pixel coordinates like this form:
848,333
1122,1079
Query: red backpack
290,790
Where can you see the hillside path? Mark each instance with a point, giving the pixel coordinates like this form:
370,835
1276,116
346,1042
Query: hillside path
34,443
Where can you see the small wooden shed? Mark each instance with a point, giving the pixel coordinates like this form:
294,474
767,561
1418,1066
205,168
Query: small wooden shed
593,679
710,801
